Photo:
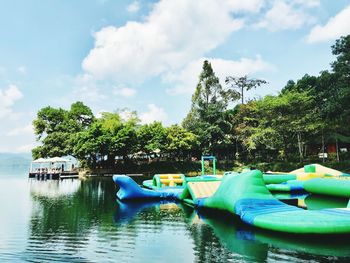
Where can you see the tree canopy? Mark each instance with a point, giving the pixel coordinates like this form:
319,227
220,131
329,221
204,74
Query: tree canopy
206,118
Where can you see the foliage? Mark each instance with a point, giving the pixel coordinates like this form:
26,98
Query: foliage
179,141
341,70
151,137
239,84
287,118
206,118
90,144
55,128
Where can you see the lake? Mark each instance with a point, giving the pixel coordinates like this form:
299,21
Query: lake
81,221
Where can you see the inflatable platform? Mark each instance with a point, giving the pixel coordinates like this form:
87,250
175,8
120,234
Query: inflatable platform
247,196
199,189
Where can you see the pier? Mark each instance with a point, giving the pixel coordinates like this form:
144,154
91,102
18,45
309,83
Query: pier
53,168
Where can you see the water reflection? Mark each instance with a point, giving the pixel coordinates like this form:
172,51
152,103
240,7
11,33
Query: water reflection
127,211
261,245
156,231
53,188
81,221
222,240
63,215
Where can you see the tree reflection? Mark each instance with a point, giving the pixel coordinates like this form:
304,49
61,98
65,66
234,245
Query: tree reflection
73,206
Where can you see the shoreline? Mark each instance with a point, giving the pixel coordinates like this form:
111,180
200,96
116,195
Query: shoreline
194,168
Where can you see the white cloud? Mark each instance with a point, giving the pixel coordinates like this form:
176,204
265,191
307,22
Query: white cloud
154,113
134,7
99,113
86,89
336,27
187,79
172,40
8,97
124,92
287,15
173,34
28,129
126,114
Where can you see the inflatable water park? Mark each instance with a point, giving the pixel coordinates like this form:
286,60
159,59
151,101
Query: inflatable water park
258,199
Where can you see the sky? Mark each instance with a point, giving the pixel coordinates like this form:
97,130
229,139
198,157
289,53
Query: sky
147,55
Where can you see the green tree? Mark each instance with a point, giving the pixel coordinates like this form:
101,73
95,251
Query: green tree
55,128
237,86
341,70
245,120
124,142
287,118
151,137
81,114
91,145
121,136
331,94
179,142
207,117
106,138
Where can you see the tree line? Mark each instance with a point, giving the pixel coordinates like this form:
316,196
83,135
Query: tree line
293,125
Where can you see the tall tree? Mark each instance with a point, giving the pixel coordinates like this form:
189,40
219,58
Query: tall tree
341,70
237,86
206,118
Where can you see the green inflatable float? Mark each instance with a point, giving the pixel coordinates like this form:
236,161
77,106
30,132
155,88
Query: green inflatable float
247,196
160,181
332,187
277,178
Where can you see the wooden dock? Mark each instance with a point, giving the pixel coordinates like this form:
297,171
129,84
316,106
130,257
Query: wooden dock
53,176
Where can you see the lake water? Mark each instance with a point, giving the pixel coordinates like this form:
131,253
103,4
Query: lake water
81,221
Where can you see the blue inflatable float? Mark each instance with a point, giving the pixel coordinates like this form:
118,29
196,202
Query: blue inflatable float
129,189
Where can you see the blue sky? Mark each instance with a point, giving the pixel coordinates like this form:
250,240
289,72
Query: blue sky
147,55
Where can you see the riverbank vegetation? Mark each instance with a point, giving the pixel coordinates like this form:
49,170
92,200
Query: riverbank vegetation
308,121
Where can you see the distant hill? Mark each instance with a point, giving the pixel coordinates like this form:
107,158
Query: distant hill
13,163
